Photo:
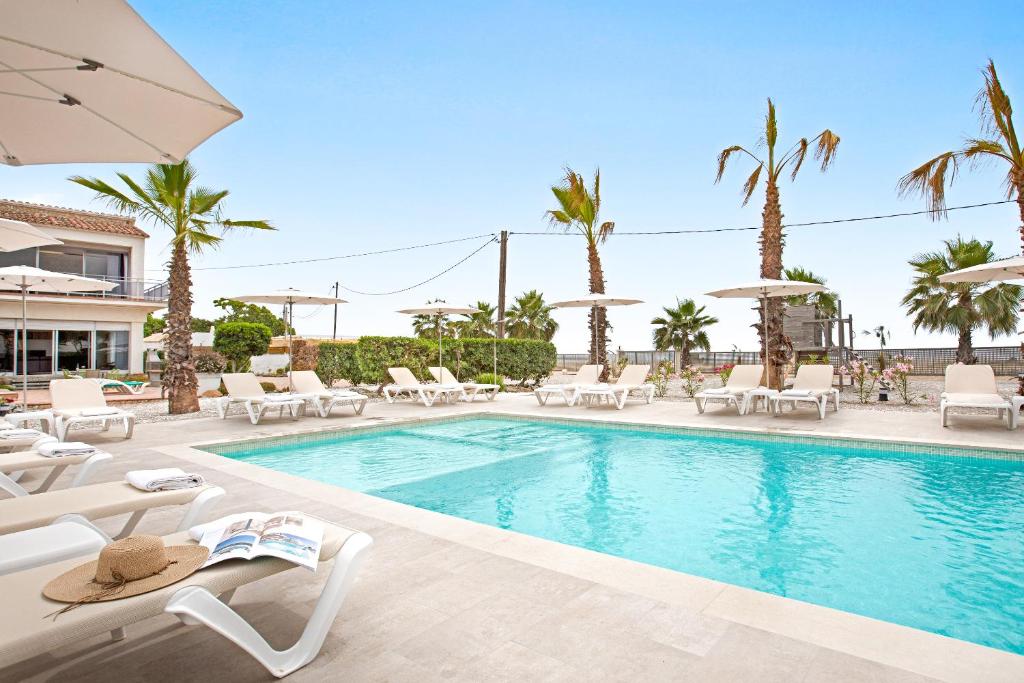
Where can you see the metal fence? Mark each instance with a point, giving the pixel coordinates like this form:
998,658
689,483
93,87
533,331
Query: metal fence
1005,360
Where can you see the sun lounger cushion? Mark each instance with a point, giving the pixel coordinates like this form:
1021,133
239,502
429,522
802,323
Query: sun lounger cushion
101,500
34,633
26,460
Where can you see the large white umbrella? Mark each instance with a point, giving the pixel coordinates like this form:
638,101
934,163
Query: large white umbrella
16,235
27,278
439,311
997,271
289,297
764,290
91,81
594,302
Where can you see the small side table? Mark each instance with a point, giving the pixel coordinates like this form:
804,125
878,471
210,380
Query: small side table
750,399
45,418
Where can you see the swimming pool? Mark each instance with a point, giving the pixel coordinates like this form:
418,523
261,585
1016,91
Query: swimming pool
930,540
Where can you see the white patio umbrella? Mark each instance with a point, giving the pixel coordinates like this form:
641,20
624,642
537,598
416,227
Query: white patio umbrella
27,278
439,311
997,271
16,235
764,290
289,297
594,302
93,82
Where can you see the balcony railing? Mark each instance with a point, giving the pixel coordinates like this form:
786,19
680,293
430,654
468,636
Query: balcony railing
126,289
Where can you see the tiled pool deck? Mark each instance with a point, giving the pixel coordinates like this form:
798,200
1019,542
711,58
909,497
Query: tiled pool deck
447,599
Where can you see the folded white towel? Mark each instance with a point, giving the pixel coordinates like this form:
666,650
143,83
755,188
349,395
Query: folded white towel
56,449
97,412
166,479
4,424
716,390
796,392
20,433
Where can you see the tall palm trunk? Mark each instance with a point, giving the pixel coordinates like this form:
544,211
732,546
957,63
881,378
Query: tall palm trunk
677,358
1017,178
686,356
179,368
598,320
965,349
771,268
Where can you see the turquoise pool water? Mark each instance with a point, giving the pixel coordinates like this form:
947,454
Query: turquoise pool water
930,541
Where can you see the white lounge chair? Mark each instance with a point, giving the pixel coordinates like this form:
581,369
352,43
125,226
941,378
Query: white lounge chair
131,388
587,375
742,380
323,398
813,384
973,386
406,383
77,402
12,465
98,501
469,389
200,598
632,379
19,438
244,388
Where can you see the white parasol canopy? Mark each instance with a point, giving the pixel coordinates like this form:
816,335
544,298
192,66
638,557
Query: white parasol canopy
93,82
439,311
15,236
764,290
595,301
289,297
997,271
27,278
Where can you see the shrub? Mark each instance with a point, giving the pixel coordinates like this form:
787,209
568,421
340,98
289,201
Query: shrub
897,376
337,361
137,377
239,342
210,362
863,378
374,355
269,387
304,355
692,378
660,378
491,378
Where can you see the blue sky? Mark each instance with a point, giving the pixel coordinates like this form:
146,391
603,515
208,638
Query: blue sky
377,125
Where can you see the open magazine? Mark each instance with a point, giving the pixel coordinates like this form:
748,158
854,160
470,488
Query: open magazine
290,536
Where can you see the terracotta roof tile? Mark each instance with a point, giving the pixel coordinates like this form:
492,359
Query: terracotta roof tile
73,219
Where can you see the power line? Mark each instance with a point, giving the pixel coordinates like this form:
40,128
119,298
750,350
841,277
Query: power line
429,279
691,231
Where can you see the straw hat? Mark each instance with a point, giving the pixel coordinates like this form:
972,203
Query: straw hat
130,566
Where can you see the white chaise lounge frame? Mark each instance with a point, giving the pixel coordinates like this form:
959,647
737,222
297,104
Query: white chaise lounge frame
742,380
244,388
586,375
632,379
405,383
13,464
323,398
72,401
470,390
816,381
973,386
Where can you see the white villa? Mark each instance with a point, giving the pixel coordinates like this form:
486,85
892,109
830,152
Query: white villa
101,331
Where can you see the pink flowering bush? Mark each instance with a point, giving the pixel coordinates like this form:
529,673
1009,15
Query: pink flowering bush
897,375
660,378
864,378
724,371
692,378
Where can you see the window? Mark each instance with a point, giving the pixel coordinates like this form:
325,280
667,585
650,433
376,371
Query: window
22,257
73,350
61,260
7,351
40,352
111,350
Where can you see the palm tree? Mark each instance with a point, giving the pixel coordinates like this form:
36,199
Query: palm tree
882,335
530,318
931,178
772,239
683,328
826,302
479,325
168,196
425,326
961,307
579,208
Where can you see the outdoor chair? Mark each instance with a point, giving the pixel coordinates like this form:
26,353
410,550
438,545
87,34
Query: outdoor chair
632,379
470,390
406,383
973,386
743,380
244,388
81,402
12,465
325,399
587,375
813,384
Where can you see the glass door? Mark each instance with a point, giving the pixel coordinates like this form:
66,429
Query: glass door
40,352
73,350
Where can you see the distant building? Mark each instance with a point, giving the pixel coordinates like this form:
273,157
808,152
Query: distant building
100,330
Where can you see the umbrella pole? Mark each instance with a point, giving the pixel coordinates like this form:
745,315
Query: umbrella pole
288,336
764,326
24,349
440,373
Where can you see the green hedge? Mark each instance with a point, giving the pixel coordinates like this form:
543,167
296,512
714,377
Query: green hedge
519,359
239,342
337,361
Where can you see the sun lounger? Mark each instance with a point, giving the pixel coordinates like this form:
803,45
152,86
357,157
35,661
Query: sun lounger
13,464
469,389
632,379
244,388
20,438
323,398
201,598
69,536
585,376
98,501
406,383
813,384
742,380
973,386
22,419
82,402
132,388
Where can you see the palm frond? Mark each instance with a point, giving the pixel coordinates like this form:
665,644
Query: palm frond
255,225
771,127
751,184
995,109
726,154
977,149
930,180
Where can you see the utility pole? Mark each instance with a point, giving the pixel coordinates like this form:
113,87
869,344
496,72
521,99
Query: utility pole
334,334
502,263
